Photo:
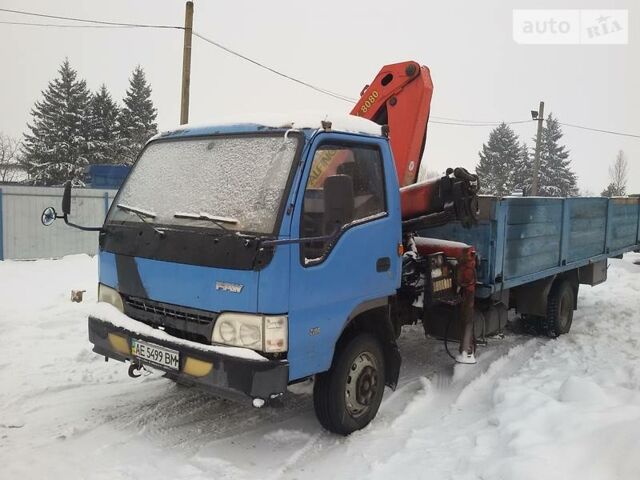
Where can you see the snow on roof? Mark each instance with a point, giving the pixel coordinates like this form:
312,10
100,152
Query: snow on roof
340,122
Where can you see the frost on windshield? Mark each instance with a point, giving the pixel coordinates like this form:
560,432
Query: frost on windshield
238,177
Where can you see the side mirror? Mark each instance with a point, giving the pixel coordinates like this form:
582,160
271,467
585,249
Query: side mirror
339,202
49,216
66,199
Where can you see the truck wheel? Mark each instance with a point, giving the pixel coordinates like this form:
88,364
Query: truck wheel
560,304
347,397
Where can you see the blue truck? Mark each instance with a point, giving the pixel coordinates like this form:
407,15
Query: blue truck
243,257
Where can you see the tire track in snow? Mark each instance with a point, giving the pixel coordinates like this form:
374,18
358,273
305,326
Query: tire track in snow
436,403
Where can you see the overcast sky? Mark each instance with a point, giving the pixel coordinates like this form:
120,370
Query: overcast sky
479,72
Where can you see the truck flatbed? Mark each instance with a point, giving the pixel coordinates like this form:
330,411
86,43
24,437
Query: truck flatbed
519,240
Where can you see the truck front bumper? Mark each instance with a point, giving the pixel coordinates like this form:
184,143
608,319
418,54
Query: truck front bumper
225,375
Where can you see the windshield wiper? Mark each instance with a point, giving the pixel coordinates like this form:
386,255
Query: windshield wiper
138,211
142,215
219,221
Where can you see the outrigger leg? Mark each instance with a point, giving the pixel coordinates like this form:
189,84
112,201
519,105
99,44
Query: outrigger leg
465,259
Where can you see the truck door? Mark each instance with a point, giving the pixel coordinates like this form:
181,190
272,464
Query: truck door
331,280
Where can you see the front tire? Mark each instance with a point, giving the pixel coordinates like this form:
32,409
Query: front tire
347,397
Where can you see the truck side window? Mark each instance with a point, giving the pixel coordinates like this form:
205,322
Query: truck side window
363,166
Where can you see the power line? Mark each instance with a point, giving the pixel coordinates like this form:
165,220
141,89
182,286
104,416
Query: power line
344,98
62,25
468,123
600,130
107,24
98,22
339,96
463,120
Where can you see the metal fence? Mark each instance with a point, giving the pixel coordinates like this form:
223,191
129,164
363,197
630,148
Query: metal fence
22,235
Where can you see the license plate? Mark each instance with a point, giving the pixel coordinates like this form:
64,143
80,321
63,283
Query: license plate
153,353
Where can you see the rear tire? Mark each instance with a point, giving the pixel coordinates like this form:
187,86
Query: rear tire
347,397
560,306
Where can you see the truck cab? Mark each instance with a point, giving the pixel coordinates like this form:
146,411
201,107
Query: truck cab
243,257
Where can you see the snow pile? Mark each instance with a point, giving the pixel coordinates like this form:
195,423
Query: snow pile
531,408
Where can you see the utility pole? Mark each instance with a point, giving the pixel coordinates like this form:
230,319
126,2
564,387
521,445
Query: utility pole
539,115
186,63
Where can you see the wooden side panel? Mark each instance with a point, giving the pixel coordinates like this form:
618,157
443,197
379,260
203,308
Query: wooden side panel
587,227
533,235
624,222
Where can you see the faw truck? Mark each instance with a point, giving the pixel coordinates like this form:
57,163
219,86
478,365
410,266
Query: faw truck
243,257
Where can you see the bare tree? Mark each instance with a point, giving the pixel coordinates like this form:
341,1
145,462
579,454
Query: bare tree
618,175
10,168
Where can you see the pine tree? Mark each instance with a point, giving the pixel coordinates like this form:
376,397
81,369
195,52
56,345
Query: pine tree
522,173
555,178
137,117
498,161
56,150
104,128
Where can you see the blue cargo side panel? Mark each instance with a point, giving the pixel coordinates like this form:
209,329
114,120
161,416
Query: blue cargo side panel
523,239
533,234
624,222
587,227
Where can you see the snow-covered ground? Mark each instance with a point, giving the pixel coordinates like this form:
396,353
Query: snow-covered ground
530,409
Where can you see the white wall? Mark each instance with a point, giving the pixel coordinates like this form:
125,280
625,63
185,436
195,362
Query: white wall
24,236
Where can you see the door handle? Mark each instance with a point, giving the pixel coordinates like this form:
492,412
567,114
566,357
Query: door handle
383,264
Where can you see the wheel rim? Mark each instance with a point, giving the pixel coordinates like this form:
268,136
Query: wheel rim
362,384
565,310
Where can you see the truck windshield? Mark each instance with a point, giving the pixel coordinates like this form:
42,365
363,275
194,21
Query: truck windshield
238,181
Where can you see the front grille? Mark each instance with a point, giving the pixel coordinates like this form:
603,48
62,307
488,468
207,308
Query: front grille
183,322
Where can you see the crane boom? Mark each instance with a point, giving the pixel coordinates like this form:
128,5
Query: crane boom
400,97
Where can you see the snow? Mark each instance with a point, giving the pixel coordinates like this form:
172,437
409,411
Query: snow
252,197
304,119
434,243
531,408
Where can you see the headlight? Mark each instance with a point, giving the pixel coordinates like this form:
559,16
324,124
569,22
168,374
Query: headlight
257,332
111,296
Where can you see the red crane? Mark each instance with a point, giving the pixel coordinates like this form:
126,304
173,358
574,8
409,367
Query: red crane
400,98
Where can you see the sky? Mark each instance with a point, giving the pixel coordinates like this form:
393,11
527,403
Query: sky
480,73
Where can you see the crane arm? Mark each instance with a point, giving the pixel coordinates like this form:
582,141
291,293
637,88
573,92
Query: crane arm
400,97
